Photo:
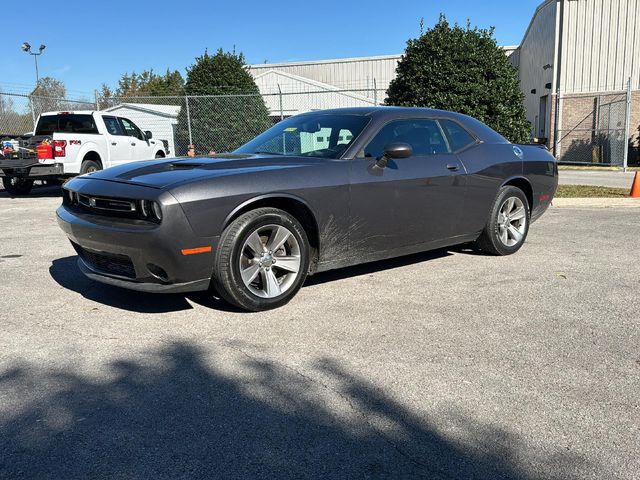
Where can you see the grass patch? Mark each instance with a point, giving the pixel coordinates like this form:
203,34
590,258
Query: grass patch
597,168
588,191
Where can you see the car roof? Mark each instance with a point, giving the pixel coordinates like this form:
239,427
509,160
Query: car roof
390,111
68,112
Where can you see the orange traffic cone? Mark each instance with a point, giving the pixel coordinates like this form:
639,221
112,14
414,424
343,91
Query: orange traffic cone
635,187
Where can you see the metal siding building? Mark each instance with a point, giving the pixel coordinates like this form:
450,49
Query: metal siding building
577,58
348,73
600,45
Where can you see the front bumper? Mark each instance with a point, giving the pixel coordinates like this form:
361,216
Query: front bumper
149,287
140,255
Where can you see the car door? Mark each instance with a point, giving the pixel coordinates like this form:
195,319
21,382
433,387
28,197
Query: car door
140,147
412,200
118,141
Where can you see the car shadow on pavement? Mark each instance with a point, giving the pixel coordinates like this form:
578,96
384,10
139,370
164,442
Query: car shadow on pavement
373,267
37,192
180,412
65,271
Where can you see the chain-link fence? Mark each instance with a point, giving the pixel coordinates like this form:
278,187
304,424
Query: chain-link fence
18,112
594,129
219,123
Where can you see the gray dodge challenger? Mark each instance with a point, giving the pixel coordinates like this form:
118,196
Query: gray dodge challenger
317,191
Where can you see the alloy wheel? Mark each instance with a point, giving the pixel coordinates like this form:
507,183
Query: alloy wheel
512,221
270,261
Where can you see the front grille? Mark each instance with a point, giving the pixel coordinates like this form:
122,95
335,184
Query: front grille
104,206
136,210
111,263
108,204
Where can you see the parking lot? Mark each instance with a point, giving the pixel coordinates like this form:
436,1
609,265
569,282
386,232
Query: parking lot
447,365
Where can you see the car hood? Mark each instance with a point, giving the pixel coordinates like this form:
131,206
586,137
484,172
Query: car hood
168,172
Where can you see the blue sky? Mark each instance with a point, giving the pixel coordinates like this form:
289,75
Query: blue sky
91,42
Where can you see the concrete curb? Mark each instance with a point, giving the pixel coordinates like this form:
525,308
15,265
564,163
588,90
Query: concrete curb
620,202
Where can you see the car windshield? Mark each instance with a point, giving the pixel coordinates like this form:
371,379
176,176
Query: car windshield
310,135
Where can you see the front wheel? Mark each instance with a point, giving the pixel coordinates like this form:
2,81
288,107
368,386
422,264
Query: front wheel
262,260
17,186
508,223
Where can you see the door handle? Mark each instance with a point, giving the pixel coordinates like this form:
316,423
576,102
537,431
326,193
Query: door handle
114,143
133,144
453,168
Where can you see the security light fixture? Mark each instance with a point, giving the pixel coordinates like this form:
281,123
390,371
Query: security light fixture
26,47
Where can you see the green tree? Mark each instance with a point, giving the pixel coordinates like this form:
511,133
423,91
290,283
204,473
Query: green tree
463,70
169,84
233,111
148,83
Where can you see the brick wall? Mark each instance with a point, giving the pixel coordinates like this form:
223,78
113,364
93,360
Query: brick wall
580,138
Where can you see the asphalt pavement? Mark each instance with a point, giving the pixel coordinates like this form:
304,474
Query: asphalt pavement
446,365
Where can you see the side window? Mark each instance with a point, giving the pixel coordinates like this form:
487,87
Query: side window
131,129
459,138
113,126
424,136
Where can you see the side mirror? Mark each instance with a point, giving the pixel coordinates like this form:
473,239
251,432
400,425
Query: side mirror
148,134
394,150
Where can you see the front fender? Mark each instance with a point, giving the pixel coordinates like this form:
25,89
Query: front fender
259,198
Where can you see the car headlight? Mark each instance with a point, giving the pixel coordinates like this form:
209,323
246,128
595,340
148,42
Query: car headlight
151,210
157,211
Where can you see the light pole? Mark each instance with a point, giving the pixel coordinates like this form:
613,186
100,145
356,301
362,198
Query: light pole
27,48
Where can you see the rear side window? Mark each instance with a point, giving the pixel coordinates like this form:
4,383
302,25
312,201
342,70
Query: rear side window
66,123
458,137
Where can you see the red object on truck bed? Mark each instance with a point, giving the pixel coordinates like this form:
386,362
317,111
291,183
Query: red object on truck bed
44,151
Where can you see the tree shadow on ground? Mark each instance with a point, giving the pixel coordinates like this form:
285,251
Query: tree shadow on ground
174,413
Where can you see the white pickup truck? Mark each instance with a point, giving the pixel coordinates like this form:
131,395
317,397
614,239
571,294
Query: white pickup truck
65,144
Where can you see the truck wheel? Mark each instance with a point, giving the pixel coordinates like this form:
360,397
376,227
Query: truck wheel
89,166
159,155
17,186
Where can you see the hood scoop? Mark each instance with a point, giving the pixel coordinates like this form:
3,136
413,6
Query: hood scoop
185,165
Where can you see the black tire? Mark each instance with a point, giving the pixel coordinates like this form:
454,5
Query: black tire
159,155
490,240
89,166
17,186
227,280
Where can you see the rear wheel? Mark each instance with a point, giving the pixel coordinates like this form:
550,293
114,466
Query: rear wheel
508,223
262,260
17,186
159,155
90,166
